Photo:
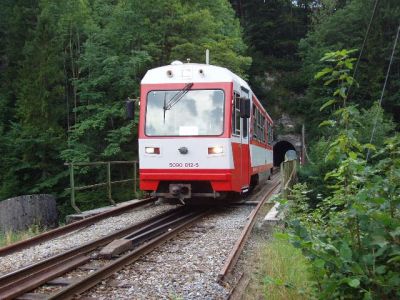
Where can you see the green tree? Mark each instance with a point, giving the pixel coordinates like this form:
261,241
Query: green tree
66,67
346,27
273,30
119,49
352,236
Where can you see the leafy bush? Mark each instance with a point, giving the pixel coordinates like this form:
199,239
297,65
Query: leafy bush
352,237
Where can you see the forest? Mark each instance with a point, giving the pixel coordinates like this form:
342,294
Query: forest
66,68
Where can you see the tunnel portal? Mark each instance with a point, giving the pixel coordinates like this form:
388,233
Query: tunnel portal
280,149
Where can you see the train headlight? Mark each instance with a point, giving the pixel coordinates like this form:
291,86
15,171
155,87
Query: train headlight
215,150
152,150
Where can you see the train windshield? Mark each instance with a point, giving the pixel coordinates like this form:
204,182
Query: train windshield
196,113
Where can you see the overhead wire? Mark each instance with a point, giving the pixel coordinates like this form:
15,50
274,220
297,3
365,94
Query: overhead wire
363,44
361,51
384,88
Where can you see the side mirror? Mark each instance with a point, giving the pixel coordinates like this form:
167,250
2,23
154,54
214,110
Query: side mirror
130,109
245,108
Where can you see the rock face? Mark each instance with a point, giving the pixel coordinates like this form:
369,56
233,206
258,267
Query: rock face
286,122
19,213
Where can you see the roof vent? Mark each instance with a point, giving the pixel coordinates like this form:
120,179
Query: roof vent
176,62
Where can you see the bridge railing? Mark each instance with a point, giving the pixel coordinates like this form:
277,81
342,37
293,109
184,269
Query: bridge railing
108,183
289,175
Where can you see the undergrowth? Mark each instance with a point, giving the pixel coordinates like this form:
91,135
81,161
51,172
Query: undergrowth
351,236
282,273
11,237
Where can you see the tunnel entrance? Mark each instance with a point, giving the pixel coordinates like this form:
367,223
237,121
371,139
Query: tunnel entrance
280,149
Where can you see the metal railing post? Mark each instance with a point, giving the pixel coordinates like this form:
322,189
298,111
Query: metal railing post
72,182
109,183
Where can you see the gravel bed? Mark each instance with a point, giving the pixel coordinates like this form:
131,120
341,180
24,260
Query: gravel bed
184,268
71,240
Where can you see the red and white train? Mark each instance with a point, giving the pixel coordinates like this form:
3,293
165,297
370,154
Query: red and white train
202,132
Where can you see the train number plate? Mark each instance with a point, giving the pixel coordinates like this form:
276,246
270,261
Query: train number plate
183,165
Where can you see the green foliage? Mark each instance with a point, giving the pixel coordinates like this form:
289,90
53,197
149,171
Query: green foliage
10,237
273,29
115,57
66,68
352,236
343,24
286,272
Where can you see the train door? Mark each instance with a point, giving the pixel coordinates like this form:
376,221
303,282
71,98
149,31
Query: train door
244,141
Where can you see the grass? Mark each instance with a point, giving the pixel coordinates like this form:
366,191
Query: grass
10,237
281,274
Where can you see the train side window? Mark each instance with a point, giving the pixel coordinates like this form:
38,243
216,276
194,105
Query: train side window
253,121
236,114
262,120
259,126
270,134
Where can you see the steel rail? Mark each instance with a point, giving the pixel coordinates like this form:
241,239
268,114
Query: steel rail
108,270
71,227
237,291
23,280
238,247
18,288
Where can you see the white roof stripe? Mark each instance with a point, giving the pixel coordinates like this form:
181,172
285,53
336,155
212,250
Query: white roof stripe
190,72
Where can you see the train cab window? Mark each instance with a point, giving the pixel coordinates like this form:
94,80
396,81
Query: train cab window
236,114
196,113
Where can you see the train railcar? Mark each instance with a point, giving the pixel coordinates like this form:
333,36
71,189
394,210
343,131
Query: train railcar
202,133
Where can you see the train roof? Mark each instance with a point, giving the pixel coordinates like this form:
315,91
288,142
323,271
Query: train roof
178,72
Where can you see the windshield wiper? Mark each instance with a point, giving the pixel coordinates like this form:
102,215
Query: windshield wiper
178,96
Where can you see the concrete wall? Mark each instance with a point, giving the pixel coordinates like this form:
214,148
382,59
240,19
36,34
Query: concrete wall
19,213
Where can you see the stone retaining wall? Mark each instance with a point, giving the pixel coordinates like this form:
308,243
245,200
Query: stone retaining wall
19,213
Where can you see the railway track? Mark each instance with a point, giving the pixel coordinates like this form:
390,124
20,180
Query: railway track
51,234
226,270
137,281
141,238
88,265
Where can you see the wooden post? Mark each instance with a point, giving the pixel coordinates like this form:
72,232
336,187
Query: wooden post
72,182
288,173
109,183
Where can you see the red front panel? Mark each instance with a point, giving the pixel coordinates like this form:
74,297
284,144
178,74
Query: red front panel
221,180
